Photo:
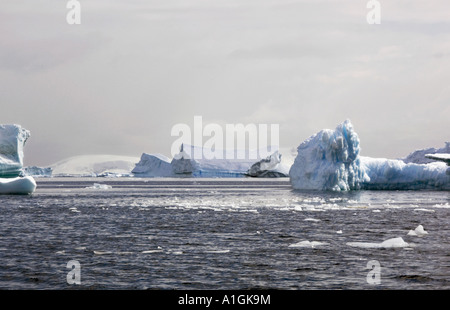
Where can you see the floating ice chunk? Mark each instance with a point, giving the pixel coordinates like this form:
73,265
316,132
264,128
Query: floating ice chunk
307,244
419,231
390,243
19,185
339,232
100,186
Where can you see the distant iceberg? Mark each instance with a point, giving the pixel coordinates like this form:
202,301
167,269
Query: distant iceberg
153,165
269,167
186,164
330,160
12,141
35,171
419,156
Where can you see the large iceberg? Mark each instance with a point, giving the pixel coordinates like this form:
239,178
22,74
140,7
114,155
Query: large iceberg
12,141
330,160
194,161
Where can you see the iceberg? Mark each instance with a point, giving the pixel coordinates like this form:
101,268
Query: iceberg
233,163
270,167
330,160
12,141
153,165
421,156
37,171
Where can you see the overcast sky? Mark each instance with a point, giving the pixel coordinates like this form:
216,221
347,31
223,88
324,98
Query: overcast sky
117,83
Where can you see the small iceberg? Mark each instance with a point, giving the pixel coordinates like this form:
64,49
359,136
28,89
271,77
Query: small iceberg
390,243
307,244
99,186
419,232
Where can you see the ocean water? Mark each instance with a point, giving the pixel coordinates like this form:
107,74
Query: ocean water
130,233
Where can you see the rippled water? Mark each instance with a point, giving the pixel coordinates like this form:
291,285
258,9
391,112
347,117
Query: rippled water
220,234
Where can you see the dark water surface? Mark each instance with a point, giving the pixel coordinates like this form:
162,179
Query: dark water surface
221,234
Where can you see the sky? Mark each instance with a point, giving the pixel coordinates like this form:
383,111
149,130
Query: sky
131,70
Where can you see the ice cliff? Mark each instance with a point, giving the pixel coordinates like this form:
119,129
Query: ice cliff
330,160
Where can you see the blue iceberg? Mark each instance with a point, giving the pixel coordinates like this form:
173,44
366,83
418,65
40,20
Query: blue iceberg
330,160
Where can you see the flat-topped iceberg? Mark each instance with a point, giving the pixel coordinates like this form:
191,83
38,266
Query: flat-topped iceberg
330,160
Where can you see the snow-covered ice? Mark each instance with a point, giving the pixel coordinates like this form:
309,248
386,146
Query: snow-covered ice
95,165
330,160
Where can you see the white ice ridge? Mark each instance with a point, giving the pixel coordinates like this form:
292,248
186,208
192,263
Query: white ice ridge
330,160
